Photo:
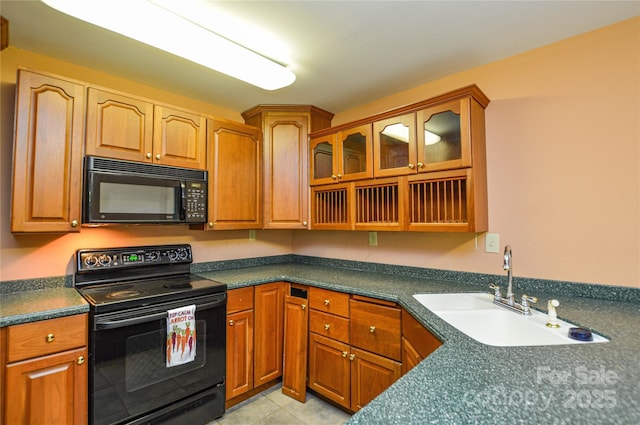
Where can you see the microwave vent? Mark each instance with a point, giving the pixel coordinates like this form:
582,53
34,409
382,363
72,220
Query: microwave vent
112,165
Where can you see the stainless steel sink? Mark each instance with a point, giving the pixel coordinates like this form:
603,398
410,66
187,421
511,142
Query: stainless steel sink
475,315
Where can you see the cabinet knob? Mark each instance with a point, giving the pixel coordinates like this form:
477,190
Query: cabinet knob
339,175
352,356
411,166
304,223
420,164
149,155
80,360
50,337
74,223
372,329
326,302
211,224
230,322
158,156
344,354
333,176
326,327
303,306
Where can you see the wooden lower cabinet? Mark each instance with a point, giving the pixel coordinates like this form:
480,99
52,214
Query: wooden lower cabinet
44,365
330,369
417,342
296,328
268,332
371,374
239,378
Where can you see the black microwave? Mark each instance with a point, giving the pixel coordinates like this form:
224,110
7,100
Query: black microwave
121,192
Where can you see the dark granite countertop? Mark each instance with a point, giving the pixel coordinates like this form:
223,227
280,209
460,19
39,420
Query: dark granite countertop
466,382
30,306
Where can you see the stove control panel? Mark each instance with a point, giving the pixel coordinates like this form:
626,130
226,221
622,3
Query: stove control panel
146,256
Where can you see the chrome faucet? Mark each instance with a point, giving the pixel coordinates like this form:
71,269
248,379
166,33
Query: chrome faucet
509,268
508,302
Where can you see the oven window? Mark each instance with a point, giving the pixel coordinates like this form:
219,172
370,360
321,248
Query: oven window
145,358
118,198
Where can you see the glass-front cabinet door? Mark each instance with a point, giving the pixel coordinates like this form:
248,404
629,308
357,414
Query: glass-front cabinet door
355,156
443,138
324,160
394,146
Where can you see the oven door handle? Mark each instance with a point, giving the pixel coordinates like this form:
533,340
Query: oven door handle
121,323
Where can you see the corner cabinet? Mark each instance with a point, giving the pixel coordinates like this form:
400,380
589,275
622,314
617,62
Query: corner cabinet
286,130
45,371
47,154
122,126
429,170
234,158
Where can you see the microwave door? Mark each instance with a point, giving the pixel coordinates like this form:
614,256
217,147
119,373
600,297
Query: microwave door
117,198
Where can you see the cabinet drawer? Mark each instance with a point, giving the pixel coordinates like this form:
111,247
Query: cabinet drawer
334,327
376,328
329,301
240,299
46,337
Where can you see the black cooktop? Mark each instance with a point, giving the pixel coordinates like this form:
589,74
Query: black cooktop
116,279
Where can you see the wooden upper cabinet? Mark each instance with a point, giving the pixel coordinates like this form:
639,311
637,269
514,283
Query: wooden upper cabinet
120,126
47,154
179,138
235,176
285,131
342,156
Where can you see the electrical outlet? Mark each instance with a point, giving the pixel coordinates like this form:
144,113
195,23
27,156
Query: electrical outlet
373,238
492,243
252,235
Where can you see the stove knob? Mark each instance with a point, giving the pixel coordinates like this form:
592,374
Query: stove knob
90,260
184,254
173,255
104,259
153,256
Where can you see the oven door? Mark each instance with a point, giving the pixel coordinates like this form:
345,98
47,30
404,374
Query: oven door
129,378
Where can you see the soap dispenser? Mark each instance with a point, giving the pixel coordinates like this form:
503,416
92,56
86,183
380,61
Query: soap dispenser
553,316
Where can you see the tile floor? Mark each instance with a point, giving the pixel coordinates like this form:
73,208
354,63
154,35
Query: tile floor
271,407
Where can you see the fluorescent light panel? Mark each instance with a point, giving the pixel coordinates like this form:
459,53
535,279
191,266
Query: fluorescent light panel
151,24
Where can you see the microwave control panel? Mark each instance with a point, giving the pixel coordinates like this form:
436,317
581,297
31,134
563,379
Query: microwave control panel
195,202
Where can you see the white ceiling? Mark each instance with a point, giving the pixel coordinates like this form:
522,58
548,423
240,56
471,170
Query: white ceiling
344,53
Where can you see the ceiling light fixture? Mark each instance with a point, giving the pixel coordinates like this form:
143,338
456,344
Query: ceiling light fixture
156,26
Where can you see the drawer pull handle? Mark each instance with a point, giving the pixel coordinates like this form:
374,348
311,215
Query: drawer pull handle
326,302
326,327
230,322
344,354
50,338
80,360
372,329
352,356
303,306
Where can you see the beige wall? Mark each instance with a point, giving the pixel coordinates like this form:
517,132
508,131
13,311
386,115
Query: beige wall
30,256
563,137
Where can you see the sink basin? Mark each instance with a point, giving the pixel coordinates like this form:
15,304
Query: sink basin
475,315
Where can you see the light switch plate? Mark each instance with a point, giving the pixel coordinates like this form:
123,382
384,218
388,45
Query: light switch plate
492,243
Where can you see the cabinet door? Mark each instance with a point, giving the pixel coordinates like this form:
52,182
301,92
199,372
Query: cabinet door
332,207
235,176
443,136
286,171
48,390
394,146
47,155
239,377
296,326
119,126
376,328
329,369
179,138
269,329
410,356
355,156
370,375
324,160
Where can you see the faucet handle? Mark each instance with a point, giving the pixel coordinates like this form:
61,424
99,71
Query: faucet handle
526,309
497,295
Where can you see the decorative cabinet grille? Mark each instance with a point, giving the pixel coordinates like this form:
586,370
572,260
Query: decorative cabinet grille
331,207
438,201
